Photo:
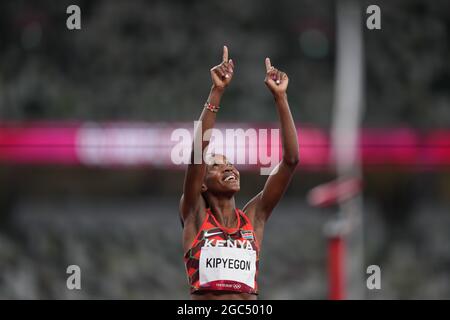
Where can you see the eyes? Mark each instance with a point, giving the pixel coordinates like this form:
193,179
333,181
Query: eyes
217,164
217,167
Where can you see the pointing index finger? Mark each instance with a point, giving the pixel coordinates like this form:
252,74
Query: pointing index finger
225,54
268,65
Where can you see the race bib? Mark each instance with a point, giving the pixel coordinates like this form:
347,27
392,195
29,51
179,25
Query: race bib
227,268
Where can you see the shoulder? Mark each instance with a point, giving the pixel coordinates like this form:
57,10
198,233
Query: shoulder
251,210
192,223
194,216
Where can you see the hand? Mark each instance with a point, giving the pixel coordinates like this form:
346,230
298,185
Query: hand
276,80
222,74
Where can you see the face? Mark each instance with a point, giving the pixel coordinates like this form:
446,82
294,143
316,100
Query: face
221,176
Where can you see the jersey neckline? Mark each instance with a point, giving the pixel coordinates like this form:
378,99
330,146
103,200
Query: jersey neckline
228,230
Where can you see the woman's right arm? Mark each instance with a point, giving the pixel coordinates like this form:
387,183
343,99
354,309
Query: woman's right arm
221,76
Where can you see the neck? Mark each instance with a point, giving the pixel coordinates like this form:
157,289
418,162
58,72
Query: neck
224,210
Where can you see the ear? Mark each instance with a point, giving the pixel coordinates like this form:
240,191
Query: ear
204,187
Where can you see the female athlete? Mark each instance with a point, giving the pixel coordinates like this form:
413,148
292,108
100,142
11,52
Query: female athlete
221,242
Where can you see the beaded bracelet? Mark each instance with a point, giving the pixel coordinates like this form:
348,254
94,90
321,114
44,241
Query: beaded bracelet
211,107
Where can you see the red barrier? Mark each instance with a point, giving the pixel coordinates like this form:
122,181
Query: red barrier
336,268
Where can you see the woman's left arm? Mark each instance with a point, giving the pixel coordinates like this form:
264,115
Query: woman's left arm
278,181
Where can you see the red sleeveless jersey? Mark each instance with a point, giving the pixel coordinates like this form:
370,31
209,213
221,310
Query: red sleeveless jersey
223,259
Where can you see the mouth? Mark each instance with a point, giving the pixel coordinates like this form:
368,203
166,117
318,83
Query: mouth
230,178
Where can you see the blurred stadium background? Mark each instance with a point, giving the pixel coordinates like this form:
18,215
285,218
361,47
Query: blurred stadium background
85,118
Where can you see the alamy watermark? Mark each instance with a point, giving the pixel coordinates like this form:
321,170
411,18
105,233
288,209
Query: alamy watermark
374,280
74,280
73,22
241,146
373,22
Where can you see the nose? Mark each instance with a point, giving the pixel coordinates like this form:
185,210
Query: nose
230,168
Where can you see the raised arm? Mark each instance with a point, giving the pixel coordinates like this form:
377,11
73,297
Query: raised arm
221,76
262,205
